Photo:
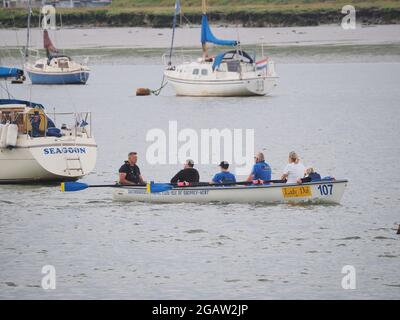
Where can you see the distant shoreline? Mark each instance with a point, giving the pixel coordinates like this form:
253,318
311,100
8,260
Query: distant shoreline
103,17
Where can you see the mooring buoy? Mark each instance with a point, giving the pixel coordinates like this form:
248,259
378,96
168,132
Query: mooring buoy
143,92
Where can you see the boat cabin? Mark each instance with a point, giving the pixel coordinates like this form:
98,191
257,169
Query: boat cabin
32,120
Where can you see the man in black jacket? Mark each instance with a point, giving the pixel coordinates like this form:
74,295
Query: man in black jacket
129,173
188,174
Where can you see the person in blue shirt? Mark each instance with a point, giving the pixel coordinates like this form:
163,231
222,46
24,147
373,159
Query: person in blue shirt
261,169
224,176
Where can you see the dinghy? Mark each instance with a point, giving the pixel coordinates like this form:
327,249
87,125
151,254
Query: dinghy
324,191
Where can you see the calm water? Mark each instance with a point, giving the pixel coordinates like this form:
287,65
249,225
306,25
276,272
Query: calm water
343,119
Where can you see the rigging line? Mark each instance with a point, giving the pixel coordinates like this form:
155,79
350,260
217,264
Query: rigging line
163,84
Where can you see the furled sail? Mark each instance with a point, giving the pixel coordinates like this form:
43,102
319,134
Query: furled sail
10,73
48,45
207,35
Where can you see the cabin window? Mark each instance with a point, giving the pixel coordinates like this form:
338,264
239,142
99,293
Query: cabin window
39,65
233,66
195,71
63,64
204,72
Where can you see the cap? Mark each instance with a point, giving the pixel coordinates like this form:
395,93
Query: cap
190,162
224,164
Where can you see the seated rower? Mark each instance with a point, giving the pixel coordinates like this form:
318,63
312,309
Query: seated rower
224,176
261,170
294,170
129,173
188,174
310,176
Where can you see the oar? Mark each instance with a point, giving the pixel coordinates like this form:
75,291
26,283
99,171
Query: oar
78,186
151,187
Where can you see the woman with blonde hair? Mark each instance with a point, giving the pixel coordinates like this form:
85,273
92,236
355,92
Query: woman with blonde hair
294,170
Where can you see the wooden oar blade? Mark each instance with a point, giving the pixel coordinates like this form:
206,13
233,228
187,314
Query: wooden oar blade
73,186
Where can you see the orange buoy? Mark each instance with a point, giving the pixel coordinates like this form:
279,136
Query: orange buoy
143,92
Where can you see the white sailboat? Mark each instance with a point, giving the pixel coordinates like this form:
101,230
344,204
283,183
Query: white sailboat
33,149
231,73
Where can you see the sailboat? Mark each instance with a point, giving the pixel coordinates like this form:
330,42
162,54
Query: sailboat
56,68
34,149
230,73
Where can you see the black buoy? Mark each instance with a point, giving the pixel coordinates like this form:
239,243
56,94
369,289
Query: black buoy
398,230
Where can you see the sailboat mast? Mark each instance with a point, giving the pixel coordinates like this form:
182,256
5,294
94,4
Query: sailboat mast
204,45
28,30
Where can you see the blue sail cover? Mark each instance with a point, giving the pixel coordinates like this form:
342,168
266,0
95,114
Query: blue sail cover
16,101
6,73
207,35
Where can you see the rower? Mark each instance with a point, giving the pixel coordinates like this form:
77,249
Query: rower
188,174
261,170
129,173
294,170
224,176
310,176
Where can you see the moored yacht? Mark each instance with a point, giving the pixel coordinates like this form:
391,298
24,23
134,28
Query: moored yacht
56,68
33,149
231,73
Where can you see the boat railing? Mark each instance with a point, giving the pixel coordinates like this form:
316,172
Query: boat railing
32,55
175,59
82,122
74,124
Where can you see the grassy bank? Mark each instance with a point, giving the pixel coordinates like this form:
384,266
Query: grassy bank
249,13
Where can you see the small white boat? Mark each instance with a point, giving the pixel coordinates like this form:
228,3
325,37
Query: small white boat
56,68
325,191
36,151
230,73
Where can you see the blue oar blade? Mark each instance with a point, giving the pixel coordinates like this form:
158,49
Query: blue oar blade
160,187
73,186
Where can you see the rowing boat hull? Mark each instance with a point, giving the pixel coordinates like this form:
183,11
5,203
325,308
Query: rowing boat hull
330,192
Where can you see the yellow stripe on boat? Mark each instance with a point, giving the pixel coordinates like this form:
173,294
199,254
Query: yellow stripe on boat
62,187
296,192
148,188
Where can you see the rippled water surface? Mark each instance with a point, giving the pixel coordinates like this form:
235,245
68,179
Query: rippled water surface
343,119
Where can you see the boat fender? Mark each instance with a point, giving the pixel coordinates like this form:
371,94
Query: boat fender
12,136
3,136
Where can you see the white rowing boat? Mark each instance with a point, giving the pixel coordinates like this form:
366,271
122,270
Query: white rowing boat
313,192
